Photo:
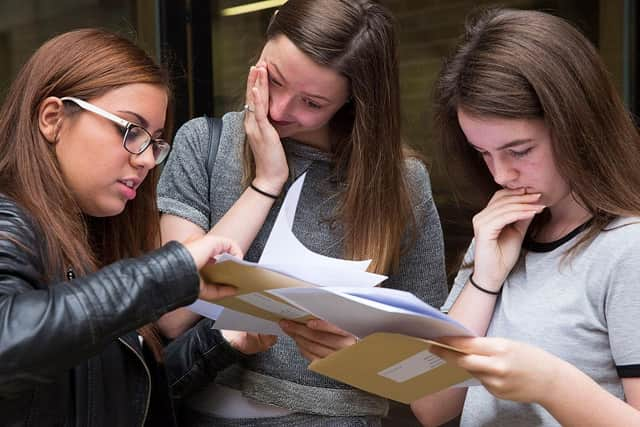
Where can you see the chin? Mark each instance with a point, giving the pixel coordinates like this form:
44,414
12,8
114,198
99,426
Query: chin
105,211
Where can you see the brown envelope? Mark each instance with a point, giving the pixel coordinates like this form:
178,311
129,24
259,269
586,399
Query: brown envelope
250,279
360,364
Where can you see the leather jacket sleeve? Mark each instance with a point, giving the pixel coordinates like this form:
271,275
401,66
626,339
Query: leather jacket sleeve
47,328
194,359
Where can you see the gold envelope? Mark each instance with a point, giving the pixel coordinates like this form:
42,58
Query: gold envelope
359,365
249,279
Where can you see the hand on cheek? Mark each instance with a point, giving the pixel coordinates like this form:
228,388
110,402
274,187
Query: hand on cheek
272,169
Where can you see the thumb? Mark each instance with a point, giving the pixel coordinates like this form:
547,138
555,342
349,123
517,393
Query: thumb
220,245
267,340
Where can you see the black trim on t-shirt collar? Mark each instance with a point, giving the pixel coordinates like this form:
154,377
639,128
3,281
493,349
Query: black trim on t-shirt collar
628,371
533,246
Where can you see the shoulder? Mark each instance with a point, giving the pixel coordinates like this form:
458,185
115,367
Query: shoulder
193,137
17,229
233,123
621,236
14,220
195,129
614,251
417,178
622,231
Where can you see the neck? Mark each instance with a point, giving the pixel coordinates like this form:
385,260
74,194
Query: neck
566,215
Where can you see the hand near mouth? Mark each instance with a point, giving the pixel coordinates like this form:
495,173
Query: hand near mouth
499,230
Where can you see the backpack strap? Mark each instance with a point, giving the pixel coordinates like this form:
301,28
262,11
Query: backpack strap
215,129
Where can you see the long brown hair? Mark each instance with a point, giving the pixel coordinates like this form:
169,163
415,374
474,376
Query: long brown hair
532,65
356,38
85,64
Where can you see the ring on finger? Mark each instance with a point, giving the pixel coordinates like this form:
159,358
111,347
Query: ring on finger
248,108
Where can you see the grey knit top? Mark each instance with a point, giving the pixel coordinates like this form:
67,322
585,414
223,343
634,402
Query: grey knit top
280,376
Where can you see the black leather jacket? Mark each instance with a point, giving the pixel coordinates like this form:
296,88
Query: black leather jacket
69,355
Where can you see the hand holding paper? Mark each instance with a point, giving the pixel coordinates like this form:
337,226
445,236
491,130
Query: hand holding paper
508,369
249,343
285,263
291,282
317,338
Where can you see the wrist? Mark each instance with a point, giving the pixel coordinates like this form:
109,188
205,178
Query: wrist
272,186
486,283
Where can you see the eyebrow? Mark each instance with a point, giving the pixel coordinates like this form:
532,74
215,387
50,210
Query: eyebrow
141,121
281,76
511,144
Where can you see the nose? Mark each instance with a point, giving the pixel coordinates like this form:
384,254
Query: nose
280,106
144,160
503,172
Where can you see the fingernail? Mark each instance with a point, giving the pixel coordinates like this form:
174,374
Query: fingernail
284,324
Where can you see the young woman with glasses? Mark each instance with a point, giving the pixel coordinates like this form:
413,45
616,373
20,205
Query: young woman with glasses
323,98
81,278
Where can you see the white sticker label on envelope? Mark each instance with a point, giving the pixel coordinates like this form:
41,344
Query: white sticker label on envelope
262,301
411,367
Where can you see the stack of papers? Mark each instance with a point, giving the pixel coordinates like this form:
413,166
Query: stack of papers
285,263
396,329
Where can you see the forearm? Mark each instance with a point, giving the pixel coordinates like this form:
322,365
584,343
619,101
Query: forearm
41,327
245,218
574,396
194,359
438,408
241,223
474,309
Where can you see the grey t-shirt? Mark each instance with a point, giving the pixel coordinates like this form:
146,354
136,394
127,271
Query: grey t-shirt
280,376
585,310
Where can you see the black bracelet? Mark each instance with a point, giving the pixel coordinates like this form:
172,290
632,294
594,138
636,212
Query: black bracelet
480,288
264,193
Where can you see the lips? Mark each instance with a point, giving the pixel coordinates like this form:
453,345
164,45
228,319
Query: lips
132,183
128,187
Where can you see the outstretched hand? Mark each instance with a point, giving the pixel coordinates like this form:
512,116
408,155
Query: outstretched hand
317,338
203,249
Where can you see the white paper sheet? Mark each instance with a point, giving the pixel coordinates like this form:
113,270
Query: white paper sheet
285,254
365,312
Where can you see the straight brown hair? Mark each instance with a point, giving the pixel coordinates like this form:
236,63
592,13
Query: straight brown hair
356,38
518,64
84,63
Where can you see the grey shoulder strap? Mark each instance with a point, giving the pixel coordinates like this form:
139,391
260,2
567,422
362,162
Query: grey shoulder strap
215,129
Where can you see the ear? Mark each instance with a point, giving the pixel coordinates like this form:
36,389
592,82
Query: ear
50,115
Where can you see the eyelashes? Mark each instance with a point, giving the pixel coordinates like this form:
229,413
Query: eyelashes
307,102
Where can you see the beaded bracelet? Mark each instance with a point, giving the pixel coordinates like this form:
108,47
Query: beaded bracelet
480,288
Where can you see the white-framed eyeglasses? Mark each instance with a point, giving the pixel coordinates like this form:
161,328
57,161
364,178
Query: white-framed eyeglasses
135,139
